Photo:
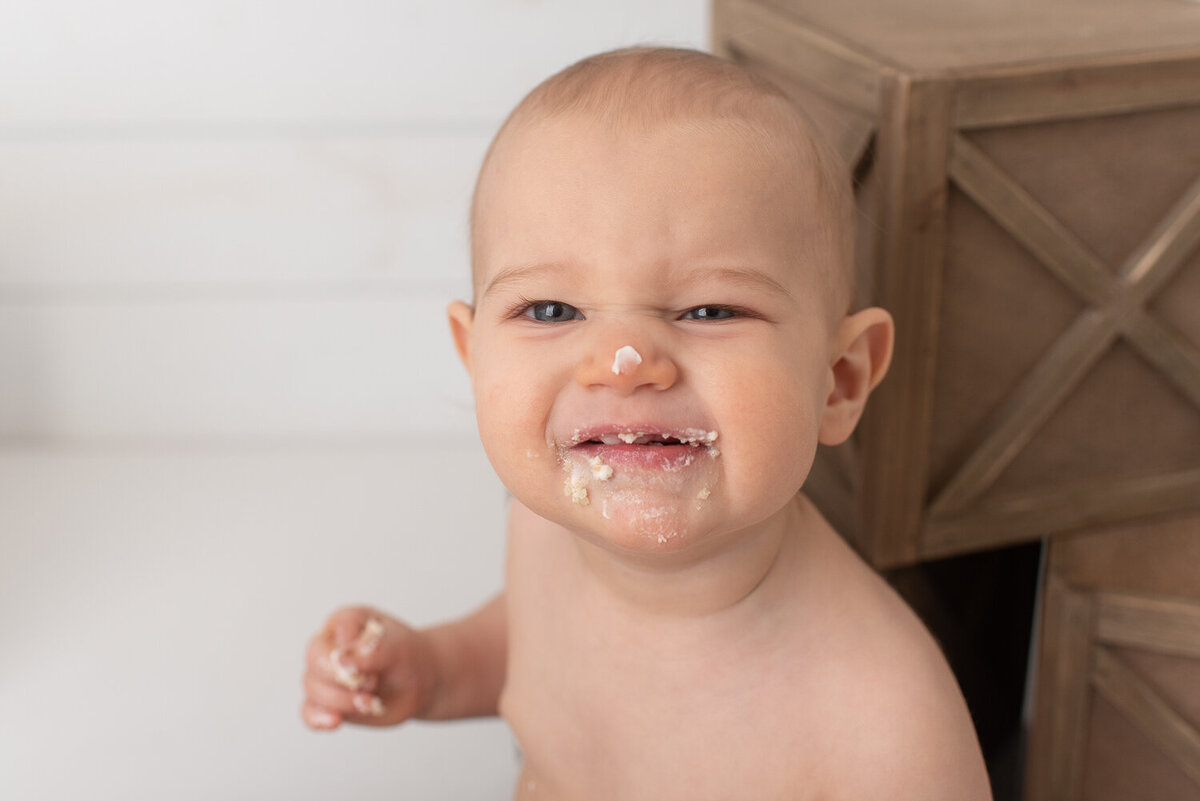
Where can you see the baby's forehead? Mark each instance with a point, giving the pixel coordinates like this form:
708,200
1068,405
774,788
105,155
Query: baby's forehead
766,150
767,153
643,92
764,124
650,85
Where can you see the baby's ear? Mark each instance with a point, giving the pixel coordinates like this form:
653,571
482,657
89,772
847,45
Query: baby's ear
462,319
863,351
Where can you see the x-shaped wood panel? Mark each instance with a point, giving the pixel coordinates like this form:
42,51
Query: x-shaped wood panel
1117,308
1085,633
1159,626
1148,710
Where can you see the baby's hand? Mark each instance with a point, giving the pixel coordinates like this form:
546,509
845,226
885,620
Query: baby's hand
366,667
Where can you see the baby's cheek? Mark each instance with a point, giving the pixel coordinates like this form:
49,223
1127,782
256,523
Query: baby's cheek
774,431
496,427
768,395
509,418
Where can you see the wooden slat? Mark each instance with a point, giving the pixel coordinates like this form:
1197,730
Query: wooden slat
1143,705
1070,358
910,166
855,141
1028,408
1040,93
1159,258
1071,261
1165,626
1076,622
1143,275
1056,749
1154,263
808,55
846,129
719,21
1028,221
1030,516
1176,358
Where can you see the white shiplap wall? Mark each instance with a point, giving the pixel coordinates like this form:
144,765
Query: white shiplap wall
228,401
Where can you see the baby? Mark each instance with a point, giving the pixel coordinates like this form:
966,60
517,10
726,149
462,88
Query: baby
661,335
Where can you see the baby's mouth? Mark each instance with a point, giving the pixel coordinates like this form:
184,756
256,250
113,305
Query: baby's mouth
631,456
688,437
636,439
642,449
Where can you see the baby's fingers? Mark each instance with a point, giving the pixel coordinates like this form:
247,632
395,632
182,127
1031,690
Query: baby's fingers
356,628
366,708
344,666
319,718
353,636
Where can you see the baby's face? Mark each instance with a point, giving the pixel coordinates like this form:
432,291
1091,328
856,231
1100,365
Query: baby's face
649,351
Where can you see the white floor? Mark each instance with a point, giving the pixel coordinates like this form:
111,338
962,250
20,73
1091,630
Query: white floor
155,605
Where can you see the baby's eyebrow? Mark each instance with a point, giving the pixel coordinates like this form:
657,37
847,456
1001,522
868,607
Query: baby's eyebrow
517,274
745,276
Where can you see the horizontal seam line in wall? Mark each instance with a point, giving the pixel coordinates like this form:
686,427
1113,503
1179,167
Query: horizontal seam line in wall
183,130
384,443
225,292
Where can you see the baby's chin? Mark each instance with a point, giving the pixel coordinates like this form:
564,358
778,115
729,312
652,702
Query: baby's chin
650,516
630,519
638,497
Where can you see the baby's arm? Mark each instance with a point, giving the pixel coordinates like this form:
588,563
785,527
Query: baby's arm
366,667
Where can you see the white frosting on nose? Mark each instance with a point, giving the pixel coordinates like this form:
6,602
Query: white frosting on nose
625,359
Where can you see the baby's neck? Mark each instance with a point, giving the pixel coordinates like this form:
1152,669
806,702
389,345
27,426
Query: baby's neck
729,575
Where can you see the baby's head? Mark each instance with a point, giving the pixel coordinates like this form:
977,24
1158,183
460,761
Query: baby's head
638,90
662,268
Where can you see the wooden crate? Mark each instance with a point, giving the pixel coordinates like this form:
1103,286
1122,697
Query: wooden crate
1030,185
1117,709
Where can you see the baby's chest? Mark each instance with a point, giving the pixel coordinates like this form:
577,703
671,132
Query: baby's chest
637,720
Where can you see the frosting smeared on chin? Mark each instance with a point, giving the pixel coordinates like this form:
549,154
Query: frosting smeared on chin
647,482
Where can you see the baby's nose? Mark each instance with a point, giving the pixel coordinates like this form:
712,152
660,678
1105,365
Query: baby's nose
627,367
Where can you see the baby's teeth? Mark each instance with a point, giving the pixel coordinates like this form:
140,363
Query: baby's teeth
608,440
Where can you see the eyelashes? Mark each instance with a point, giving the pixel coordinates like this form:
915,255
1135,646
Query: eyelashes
552,311
557,311
715,312
543,311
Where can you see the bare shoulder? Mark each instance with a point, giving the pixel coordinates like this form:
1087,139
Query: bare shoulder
903,729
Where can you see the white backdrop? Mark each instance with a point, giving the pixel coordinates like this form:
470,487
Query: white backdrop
228,401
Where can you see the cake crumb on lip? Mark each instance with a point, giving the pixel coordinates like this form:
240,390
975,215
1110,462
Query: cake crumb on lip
665,435
599,469
575,488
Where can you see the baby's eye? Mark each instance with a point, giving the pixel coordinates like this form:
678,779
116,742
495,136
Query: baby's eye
552,311
710,313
